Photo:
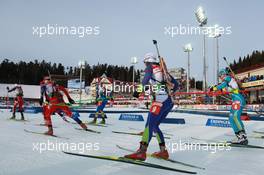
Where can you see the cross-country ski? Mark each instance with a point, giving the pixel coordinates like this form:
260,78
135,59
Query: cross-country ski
40,133
170,160
130,161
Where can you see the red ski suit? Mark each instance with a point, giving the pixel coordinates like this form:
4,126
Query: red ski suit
19,98
54,101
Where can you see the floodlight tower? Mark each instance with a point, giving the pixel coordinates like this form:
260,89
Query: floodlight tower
81,65
188,48
202,20
134,61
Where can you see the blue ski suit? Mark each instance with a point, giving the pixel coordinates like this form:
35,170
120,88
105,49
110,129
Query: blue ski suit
161,105
238,102
102,100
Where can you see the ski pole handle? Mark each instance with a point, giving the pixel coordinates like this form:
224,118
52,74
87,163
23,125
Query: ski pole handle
229,67
156,44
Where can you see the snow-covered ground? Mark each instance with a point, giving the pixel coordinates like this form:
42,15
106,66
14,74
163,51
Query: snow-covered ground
20,154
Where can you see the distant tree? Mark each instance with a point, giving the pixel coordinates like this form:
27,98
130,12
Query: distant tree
199,85
256,58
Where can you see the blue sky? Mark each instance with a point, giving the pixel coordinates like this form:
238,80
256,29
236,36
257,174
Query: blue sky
127,28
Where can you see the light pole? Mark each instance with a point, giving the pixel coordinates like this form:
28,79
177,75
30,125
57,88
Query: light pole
202,20
81,65
195,76
134,61
188,48
216,34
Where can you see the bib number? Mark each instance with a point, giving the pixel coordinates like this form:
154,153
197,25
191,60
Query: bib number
236,105
99,103
155,108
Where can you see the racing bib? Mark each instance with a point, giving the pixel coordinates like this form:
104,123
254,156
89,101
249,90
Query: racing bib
99,103
236,105
155,108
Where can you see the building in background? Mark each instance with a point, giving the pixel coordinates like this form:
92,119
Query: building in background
178,73
252,79
181,76
117,88
103,80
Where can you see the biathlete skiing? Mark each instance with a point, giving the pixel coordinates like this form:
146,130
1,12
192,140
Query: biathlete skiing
18,101
229,84
161,106
54,103
101,100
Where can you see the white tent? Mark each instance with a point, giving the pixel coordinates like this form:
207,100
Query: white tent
30,91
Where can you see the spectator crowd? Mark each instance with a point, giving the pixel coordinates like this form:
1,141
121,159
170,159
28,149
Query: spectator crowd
252,78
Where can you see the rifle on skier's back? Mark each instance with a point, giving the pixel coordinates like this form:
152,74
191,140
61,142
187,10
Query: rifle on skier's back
171,83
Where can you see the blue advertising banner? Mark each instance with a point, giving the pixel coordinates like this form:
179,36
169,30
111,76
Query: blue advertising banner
131,117
75,84
218,123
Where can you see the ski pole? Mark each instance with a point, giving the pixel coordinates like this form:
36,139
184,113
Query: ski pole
49,74
156,45
166,75
228,65
7,97
225,98
162,64
234,75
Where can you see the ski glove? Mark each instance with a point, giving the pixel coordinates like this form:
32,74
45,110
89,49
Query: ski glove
41,101
213,88
136,94
71,101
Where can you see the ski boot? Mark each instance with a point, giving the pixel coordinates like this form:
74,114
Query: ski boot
83,126
140,154
241,138
103,121
141,133
64,118
13,117
22,116
94,121
50,131
163,153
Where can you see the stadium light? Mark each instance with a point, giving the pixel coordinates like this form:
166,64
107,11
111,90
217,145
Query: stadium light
188,48
200,16
202,20
81,65
215,33
134,61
